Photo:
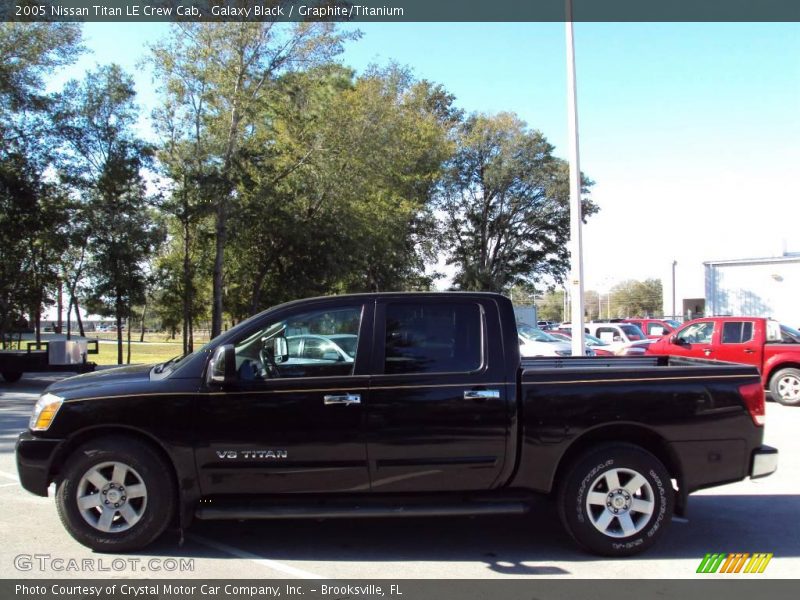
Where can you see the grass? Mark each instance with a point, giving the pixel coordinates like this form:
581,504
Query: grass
140,353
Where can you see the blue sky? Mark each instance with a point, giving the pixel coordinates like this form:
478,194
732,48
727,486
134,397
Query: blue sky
691,131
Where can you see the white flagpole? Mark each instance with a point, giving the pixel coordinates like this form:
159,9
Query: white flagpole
576,245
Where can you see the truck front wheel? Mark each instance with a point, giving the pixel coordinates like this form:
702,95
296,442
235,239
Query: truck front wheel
784,387
115,494
616,500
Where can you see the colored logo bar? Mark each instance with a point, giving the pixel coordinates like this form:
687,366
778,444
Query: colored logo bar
734,562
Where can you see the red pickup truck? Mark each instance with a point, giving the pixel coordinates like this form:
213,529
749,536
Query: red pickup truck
764,343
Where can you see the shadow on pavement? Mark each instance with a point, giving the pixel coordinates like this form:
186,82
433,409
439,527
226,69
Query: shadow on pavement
510,545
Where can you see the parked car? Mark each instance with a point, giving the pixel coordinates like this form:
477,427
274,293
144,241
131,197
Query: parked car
437,415
598,346
764,343
546,325
623,339
654,328
535,342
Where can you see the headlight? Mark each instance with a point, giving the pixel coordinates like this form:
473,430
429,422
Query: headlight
44,412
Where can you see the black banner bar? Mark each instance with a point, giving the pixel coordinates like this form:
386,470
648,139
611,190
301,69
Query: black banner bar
739,588
399,10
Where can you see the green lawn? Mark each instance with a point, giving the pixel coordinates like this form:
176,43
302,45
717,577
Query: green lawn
140,353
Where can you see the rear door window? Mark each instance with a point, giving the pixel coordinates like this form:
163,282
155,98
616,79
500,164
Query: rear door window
737,332
433,338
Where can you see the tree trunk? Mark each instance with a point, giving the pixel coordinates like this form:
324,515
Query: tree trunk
221,235
188,290
78,317
128,331
144,313
119,329
69,318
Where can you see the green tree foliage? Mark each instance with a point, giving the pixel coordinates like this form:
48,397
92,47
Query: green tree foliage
102,160
34,217
231,70
633,298
30,51
505,205
33,236
336,197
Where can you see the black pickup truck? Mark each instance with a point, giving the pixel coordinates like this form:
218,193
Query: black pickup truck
391,405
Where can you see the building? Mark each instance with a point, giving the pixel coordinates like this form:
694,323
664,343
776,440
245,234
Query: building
758,287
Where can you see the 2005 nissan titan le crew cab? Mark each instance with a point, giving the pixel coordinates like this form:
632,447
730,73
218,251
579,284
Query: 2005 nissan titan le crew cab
391,405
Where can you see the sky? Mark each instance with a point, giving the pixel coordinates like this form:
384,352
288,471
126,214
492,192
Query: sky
691,131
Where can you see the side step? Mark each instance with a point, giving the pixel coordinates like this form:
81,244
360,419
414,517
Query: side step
250,510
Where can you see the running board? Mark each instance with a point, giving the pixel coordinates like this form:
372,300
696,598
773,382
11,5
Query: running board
237,512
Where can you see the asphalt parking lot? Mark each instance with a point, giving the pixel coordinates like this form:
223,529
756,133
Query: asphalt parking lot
749,516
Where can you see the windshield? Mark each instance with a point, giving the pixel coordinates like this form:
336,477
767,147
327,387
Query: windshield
594,341
534,334
789,335
633,332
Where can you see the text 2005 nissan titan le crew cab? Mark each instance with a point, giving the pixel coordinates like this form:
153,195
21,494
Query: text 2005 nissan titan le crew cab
391,405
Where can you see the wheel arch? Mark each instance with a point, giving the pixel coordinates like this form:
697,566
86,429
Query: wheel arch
85,435
773,369
624,433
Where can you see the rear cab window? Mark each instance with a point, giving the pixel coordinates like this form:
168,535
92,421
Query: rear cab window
737,332
441,337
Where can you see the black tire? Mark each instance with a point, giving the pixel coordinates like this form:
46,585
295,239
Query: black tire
12,376
784,387
151,512
590,520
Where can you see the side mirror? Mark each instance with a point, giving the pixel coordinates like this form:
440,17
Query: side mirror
278,348
674,339
222,366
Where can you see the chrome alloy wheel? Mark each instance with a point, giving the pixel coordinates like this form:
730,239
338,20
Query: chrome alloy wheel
620,503
111,497
789,388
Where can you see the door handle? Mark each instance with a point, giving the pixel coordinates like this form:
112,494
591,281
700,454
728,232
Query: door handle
749,351
707,352
482,395
346,399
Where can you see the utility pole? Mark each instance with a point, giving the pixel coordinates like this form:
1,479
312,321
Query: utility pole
674,264
576,217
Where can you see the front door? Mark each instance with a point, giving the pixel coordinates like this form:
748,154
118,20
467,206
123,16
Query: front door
293,422
695,340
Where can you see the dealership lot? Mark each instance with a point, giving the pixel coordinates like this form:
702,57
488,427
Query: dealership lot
749,516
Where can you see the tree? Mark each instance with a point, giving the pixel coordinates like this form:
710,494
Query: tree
34,221
235,66
29,51
33,237
505,206
336,195
102,160
633,298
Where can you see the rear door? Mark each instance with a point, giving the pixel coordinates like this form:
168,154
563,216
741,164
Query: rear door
439,412
737,343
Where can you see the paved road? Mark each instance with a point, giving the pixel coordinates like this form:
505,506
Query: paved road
749,516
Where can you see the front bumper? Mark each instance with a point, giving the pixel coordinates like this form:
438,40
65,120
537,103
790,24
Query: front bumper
34,462
764,462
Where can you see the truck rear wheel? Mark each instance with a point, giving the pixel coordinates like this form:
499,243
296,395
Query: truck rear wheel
616,500
12,376
115,494
784,387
